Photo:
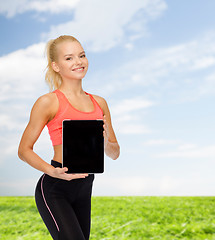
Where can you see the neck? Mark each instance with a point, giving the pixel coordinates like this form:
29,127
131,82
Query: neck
73,87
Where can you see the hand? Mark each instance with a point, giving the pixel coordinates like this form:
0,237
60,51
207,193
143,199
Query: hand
106,130
61,173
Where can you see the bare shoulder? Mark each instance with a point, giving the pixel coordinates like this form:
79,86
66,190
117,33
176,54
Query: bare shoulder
46,101
46,105
101,101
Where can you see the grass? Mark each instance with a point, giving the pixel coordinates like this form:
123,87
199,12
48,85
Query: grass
120,218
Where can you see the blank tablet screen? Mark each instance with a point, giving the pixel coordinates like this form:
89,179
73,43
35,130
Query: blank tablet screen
83,146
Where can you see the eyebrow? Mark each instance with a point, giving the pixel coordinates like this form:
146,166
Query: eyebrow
73,54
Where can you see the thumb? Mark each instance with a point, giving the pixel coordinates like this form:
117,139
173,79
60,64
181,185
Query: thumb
62,170
65,169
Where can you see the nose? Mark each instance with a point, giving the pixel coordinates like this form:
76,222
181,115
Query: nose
78,60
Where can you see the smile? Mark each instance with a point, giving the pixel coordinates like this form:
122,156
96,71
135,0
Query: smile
81,69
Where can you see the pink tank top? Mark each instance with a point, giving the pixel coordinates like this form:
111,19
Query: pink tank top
67,111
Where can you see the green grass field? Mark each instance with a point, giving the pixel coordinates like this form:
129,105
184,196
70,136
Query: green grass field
119,218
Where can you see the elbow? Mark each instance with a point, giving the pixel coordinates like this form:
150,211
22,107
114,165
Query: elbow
117,153
20,153
112,150
115,157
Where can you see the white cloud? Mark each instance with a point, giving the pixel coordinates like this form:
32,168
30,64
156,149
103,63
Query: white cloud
203,62
102,24
22,73
11,136
129,46
53,6
127,115
9,146
132,128
188,146
206,87
129,105
183,72
153,186
22,82
18,188
126,186
10,8
190,151
158,142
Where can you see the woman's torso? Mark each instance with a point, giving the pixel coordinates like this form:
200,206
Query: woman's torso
87,108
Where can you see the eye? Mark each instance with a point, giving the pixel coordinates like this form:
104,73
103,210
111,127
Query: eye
69,58
83,56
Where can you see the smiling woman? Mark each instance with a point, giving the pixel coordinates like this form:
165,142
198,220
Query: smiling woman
64,200
58,61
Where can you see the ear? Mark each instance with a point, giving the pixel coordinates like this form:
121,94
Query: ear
55,67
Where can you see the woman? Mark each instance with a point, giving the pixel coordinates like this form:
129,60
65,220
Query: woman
64,200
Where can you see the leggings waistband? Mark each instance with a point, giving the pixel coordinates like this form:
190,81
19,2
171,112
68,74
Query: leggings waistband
56,164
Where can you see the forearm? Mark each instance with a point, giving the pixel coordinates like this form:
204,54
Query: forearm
30,157
112,149
35,161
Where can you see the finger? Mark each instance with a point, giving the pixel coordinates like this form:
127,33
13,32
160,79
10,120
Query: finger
76,176
81,175
106,130
105,126
104,134
61,170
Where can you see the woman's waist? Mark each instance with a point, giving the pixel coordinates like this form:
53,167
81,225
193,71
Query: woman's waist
57,153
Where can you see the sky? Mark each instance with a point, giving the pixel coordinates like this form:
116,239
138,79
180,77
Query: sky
154,63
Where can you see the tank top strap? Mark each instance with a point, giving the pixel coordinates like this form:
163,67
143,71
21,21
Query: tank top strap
92,98
58,93
94,101
61,99
60,96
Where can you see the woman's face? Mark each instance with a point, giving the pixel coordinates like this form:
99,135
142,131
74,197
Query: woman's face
71,60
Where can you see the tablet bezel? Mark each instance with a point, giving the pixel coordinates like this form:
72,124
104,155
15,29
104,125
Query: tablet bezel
101,168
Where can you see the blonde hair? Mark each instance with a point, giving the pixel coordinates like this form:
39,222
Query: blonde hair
53,78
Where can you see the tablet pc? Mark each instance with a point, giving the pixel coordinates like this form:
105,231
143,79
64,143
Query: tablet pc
83,146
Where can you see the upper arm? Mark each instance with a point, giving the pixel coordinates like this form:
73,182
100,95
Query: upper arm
40,115
104,106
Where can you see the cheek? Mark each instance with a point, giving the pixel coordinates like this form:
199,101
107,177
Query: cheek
86,62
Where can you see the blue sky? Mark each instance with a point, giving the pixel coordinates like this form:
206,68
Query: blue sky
154,63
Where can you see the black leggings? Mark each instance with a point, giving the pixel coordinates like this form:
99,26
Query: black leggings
65,206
